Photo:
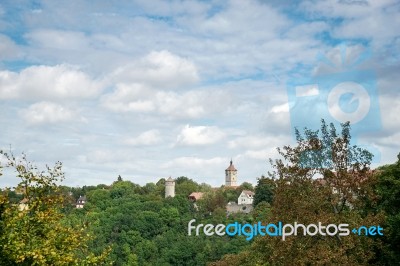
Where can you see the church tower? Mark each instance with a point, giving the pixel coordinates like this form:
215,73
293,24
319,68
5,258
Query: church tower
169,188
231,176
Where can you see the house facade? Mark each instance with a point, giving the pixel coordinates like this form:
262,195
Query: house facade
81,202
243,205
246,197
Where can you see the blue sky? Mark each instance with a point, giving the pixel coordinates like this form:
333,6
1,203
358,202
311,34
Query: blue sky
151,89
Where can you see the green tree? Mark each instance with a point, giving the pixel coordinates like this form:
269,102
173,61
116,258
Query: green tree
337,197
262,212
35,234
264,191
388,191
123,188
150,188
211,201
230,193
184,186
246,186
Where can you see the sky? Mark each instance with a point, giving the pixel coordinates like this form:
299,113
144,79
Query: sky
152,89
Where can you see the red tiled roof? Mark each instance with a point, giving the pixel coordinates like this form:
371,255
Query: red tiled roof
248,192
231,167
196,195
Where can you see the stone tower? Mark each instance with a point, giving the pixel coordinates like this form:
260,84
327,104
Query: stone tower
170,188
231,176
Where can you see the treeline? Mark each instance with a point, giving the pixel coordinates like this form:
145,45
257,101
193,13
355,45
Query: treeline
120,224
144,228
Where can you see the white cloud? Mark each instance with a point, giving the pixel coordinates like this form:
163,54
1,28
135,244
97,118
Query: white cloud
238,16
194,162
159,70
255,142
47,82
345,8
58,39
222,66
200,135
362,19
390,109
47,112
375,22
258,154
148,85
149,137
8,49
99,157
175,105
282,108
191,104
126,98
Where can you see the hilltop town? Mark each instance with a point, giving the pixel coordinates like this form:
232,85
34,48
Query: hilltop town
243,203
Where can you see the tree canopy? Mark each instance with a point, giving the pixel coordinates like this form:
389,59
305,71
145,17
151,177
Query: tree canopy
32,232
323,178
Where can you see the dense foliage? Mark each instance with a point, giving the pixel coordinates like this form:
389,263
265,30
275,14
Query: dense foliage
264,191
325,179
144,228
120,224
388,190
32,232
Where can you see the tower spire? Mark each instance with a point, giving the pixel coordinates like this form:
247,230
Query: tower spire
231,175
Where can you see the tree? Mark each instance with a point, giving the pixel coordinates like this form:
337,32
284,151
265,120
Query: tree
185,186
123,188
345,179
388,190
246,186
150,188
230,193
35,234
321,179
262,211
264,191
211,201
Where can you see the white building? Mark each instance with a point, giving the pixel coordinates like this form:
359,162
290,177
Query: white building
81,202
231,176
169,188
246,197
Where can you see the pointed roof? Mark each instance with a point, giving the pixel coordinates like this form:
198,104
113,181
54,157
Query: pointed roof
231,167
82,198
170,179
248,193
